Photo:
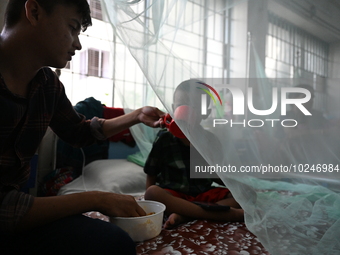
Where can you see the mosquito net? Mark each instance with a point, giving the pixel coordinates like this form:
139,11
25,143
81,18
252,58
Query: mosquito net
276,145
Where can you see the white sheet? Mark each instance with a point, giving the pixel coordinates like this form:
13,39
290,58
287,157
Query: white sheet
111,175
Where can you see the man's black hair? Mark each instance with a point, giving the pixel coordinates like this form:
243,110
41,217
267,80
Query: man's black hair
15,7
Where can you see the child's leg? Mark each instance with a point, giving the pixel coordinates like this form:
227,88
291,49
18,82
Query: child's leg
220,196
230,200
189,210
159,194
175,219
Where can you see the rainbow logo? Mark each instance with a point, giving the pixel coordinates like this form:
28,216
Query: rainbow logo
209,93
204,99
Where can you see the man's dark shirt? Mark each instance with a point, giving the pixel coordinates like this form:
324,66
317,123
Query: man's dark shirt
24,121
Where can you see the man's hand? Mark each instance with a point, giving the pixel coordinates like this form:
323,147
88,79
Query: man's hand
48,209
151,116
119,205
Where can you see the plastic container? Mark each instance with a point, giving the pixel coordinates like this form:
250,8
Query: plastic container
145,227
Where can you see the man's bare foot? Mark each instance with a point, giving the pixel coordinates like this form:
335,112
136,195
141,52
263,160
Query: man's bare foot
174,220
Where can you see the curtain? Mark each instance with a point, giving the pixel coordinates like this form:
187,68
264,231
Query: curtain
279,158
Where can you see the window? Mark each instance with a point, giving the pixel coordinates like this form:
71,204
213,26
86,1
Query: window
95,63
292,52
96,9
202,43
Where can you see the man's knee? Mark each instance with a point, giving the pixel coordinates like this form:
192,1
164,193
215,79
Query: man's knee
107,238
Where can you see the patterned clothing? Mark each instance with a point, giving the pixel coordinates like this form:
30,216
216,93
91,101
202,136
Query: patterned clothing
23,124
169,160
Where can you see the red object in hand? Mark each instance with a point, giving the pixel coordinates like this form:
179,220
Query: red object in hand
172,126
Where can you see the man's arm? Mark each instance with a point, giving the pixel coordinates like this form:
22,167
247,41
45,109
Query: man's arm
150,116
48,209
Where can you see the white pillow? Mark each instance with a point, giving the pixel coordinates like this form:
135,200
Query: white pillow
112,175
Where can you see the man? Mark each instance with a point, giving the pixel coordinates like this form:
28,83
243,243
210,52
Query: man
36,34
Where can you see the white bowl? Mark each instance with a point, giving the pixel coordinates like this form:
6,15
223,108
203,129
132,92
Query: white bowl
144,227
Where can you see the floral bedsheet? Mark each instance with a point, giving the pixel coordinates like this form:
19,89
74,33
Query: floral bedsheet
204,237
200,237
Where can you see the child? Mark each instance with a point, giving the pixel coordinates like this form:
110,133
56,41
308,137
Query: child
168,171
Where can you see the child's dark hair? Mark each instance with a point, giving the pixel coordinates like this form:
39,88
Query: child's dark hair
15,7
193,88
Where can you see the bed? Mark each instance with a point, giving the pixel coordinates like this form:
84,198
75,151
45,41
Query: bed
114,175
200,237
195,237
